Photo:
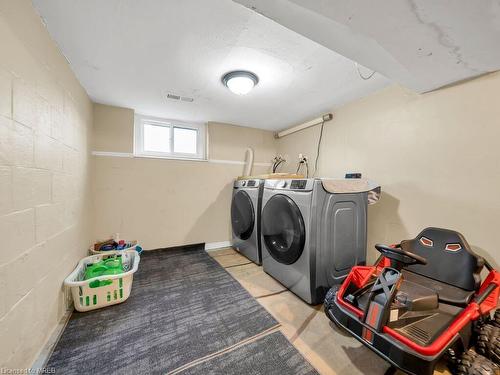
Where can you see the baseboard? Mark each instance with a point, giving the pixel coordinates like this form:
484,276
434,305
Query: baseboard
194,246
216,245
49,346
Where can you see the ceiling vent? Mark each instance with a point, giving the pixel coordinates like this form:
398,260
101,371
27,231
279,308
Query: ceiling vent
178,97
173,97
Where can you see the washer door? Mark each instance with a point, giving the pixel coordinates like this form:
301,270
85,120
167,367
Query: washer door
283,229
242,215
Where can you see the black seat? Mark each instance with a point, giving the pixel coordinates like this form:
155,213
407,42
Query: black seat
452,269
445,292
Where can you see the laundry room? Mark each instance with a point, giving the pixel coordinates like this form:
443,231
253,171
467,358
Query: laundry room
249,187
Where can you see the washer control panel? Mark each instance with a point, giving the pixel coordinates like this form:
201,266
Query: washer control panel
253,183
305,184
298,184
283,184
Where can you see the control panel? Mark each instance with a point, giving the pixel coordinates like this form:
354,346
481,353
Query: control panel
282,184
247,183
298,184
288,184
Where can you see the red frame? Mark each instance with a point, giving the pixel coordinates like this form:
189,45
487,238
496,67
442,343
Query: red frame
359,276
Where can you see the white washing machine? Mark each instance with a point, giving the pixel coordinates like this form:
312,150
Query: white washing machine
314,231
246,207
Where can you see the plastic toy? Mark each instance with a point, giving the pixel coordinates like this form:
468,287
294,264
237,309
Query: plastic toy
422,301
110,266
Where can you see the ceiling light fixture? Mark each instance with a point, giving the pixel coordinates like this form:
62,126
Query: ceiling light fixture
240,82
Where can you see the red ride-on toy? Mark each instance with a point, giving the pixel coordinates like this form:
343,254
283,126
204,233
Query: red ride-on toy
422,300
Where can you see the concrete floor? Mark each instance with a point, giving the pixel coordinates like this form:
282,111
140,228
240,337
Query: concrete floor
327,348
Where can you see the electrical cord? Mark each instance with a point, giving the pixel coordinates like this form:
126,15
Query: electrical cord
319,148
366,78
277,161
275,164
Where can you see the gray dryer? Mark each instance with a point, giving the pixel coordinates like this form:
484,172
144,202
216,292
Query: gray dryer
246,206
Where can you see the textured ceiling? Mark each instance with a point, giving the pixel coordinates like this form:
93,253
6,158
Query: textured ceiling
422,44
132,53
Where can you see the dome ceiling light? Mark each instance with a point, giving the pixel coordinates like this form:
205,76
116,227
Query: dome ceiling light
240,82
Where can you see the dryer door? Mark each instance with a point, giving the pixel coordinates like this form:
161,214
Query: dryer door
283,229
242,215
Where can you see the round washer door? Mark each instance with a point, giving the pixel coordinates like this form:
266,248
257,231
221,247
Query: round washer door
283,229
242,215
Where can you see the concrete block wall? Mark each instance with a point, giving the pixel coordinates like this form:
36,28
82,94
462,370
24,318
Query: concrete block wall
45,125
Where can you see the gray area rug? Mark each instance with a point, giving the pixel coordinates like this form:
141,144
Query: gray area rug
183,306
270,355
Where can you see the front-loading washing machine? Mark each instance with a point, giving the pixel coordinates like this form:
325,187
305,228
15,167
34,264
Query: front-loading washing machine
246,207
314,231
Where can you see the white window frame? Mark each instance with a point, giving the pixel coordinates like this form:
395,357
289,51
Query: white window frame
141,120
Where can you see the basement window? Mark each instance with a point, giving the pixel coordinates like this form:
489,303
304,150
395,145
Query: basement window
161,138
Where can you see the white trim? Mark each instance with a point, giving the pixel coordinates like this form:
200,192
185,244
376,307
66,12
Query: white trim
177,158
217,245
131,155
113,154
219,161
237,162
141,120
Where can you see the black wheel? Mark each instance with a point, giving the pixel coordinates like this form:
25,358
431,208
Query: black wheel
330,296
471,363
464,362
488,342
496,319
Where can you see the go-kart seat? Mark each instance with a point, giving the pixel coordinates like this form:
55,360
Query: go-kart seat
452,269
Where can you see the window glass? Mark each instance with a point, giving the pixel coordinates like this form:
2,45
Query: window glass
156,138
162,138
185,140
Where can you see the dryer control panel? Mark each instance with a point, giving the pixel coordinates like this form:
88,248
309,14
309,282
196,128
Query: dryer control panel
253,183
305,184
298,184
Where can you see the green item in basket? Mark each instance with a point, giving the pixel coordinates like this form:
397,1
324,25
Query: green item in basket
110,266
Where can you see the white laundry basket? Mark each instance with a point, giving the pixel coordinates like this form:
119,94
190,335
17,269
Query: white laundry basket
118,290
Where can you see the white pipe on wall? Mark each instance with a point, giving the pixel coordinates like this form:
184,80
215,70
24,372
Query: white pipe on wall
305,125
247,170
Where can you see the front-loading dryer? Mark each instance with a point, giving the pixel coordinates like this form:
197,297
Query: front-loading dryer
246,207
311,236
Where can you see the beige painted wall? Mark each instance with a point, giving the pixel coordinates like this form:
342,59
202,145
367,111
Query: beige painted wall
436,156
112,131
45,119
162,202
229,142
